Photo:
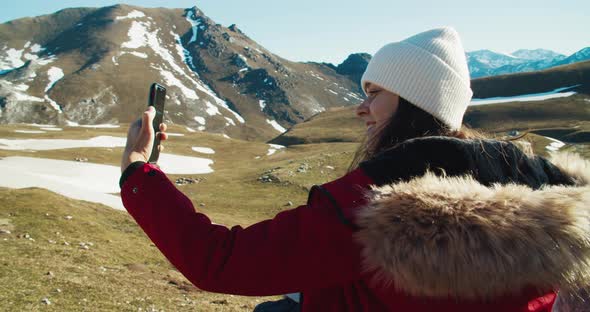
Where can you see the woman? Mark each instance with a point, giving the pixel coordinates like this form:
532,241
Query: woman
427,219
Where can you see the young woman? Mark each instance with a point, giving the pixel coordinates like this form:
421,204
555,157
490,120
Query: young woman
429,218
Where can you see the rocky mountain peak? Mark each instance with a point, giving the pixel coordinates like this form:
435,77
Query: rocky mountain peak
354,66
234,28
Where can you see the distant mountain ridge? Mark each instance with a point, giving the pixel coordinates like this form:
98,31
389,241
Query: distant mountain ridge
484,63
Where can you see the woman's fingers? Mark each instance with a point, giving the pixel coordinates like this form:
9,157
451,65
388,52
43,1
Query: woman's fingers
140,139
146,120
163,135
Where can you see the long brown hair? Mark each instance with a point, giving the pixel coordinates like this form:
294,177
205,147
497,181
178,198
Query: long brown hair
408,122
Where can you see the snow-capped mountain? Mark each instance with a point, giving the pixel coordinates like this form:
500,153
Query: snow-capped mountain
92,66
536,54
493,59
484,63
579,56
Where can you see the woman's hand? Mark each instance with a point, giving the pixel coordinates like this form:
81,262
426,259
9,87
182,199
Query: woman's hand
140,139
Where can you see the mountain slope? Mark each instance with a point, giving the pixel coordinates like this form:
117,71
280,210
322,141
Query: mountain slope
92,66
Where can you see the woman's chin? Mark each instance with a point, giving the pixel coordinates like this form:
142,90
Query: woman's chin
370,132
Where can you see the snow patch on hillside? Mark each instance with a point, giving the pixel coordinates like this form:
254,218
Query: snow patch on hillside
171,80
211,109
78,180
238,117
177,164
195,22
21,87
54,74
101,126
230,122
15,92
13,59
135,53
36,48
200,120
204,150
273,148
55,144
526,97
315,75
184,54
276,125
40,125
85,181
30,131
132,14
53,104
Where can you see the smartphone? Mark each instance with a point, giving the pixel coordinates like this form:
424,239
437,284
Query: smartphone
157,97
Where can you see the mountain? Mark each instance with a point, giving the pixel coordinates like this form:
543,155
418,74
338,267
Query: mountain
536,55
579,56
354,66
485,63
94,65
493,59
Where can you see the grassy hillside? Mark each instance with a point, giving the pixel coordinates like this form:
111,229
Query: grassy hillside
567,112
333,125
566,119
99,260
534,82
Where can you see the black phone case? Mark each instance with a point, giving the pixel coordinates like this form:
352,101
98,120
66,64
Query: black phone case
157,98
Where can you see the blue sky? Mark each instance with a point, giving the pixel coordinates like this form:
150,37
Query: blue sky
329,30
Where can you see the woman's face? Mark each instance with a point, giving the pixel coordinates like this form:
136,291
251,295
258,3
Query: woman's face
378,108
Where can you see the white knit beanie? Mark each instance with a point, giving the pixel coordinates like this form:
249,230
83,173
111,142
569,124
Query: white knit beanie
429,70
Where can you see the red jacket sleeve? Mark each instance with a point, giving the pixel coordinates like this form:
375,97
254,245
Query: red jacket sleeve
299,249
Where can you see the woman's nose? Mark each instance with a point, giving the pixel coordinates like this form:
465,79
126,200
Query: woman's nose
363,108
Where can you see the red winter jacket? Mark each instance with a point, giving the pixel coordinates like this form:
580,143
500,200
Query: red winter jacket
428,243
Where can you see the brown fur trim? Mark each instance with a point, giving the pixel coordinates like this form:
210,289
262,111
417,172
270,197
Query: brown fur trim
451,236
573,165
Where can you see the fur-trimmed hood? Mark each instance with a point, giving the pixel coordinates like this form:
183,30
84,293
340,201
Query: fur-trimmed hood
440,236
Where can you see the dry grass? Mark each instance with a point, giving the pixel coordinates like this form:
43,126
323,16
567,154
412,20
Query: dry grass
122,270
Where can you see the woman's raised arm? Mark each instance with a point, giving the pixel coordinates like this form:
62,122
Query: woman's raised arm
302,248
